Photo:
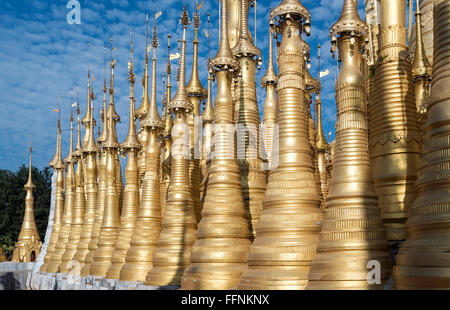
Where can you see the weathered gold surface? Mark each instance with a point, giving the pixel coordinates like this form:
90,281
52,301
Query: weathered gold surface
219,255
352,231
394,129
289,224
131,202
423,260
28,245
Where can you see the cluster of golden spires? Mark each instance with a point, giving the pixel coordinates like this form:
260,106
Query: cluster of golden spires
302,214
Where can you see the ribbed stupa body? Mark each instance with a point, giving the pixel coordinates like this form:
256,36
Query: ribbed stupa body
196,94
148,223
130,207
179,223
423,260
63,236
219,255
110,226
28,245
78,216
246,113
91,204
142,137
79,205
139,257
288,227
100,207
90,167
352,230
394,130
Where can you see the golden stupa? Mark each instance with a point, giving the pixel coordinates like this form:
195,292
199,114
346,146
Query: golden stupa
63,236
352,231
90,150
79,208
288,227
320,214
196,94
423,261
166,135
246,115
219,255
179,223
130,208
101,189
28,245
269,82
394,130
58,166
139,259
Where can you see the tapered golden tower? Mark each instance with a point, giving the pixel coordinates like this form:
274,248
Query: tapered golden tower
207,142
58,166
288,227
251,168
139,257
63,236
167,139
179,224
90,151
140,114
219,255
196,94
131,202
101,189
269,82
423,261
86,119
394,130
321,147
352,232
421,70
109,229
79,205
28,246
313,88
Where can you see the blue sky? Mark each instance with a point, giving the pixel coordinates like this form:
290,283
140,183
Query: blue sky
42,57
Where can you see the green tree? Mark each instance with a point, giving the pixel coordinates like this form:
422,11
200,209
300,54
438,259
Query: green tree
12,203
